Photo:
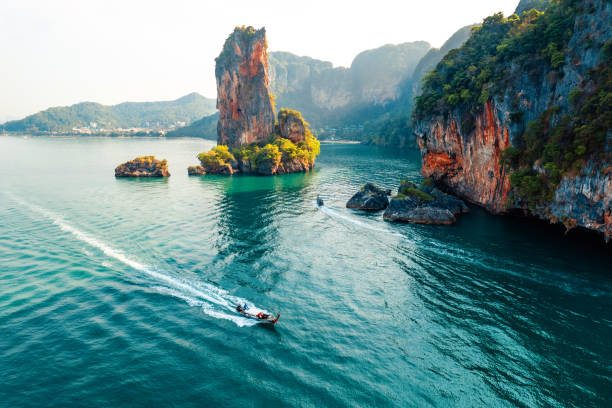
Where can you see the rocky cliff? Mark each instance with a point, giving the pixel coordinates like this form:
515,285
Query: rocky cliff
245,108
519,118
328,95
291,125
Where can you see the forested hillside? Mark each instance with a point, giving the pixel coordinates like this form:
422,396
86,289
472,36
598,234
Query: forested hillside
125,115
520,117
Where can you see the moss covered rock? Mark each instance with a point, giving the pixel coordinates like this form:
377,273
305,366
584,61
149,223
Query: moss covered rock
423,205
145,166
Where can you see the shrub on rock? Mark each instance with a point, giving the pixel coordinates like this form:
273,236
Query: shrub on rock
145,166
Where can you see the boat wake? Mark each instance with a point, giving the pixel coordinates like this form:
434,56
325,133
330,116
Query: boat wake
212,300
338,215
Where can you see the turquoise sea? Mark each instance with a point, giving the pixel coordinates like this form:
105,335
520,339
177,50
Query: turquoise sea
117,292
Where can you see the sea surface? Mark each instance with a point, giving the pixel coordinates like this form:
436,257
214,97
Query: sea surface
121,292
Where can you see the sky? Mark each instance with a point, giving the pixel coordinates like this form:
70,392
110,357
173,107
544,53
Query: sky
61,52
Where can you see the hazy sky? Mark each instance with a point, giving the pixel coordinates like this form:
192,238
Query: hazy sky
60,52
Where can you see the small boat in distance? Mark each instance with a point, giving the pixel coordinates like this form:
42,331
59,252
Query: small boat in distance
261,317
319,201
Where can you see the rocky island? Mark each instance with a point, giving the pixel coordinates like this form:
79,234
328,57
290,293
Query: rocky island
145,166
369,198
249,140
424,205
519,119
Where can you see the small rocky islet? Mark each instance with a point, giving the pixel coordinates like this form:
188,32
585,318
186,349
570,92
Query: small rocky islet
145,166
424,204
369,198
250,140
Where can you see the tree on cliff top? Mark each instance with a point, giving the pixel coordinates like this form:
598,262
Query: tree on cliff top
478,70
240,34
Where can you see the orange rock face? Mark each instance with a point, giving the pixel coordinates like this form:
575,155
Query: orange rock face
291,126
468,164
243,89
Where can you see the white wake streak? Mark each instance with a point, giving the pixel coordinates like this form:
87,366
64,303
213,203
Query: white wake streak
335,214
194,293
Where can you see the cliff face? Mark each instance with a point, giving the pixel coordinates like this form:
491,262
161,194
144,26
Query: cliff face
537,144
324,93
243,89
470,166
291,125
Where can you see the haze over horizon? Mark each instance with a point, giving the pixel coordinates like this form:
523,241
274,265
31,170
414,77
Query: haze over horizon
111,51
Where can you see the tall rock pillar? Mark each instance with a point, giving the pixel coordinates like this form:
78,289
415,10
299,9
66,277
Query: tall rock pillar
243,89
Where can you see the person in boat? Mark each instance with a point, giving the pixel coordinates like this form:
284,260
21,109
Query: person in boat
261,315
242,308
319,200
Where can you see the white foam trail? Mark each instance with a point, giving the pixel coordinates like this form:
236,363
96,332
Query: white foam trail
194,293
335,214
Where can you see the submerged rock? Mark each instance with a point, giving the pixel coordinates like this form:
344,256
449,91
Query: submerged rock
146,166
370,198
424,205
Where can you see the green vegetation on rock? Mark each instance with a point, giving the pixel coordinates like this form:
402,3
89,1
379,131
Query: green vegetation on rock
561,143
218,156
240,34
570,132
471,75
276,150
416,193
428,182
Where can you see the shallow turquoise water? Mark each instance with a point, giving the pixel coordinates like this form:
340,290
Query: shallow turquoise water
120,292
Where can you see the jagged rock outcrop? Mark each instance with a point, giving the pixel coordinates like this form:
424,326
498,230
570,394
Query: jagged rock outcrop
369,198
146,166
291,125
424,205
243,89
196,171
537,140
248,139
469,166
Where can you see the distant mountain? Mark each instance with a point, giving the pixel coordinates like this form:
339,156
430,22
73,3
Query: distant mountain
371,101
125,115
393,126
328,95
205,128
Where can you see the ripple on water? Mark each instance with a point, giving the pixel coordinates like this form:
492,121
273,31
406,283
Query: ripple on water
121,291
